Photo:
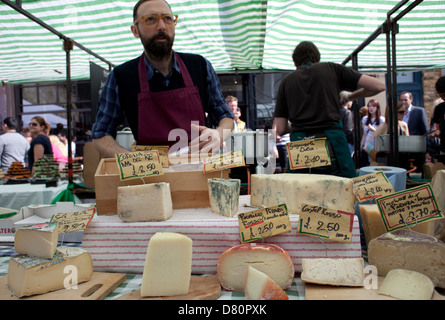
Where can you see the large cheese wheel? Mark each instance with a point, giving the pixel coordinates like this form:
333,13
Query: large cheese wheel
268,258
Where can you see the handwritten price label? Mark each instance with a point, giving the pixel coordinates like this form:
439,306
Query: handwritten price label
409,208
309,153
326,223
73,221
224,161
372,185
263,223
162,151
139,164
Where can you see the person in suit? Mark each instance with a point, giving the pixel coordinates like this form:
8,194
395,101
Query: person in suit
414,116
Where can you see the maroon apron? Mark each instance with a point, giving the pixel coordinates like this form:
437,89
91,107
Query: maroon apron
161,112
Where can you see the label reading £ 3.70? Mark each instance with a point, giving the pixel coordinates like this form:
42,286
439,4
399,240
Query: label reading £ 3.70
309,153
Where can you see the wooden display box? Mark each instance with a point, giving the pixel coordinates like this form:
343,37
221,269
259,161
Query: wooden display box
188,188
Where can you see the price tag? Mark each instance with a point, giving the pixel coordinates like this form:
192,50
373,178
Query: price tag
309,153
372,185
73,221
263,223
223,161
409,207
326,223
162,151
139,164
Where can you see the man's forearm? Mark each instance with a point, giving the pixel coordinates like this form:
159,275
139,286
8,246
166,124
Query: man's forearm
108,147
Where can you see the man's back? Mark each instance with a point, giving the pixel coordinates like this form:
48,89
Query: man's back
13,148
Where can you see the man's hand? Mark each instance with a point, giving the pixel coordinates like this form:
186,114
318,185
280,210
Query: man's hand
207,141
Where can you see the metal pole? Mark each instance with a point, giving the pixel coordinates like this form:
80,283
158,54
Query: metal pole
68,45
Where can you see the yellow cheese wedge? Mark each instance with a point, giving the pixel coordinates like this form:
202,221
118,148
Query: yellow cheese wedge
168,264
30,275
407,285
38,240
259,286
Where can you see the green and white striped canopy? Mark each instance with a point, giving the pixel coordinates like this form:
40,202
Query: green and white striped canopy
235,35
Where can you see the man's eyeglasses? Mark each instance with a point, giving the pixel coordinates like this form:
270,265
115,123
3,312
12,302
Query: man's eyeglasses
153,19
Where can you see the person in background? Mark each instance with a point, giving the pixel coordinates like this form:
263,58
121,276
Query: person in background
348,124
439,115
414,116
370,123
60,153
40,144
239,125
13,146
63,138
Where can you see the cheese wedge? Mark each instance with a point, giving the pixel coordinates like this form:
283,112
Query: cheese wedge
270,259
259,286
336,272
224,196
39,240
295,189
407,285
30,275
410,250
146,202
168,264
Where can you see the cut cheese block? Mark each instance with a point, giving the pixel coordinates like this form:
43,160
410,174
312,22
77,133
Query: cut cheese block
295,189
336,272
410,250
30,275
407,285
146,202
168,265
39,240
224,196
259,286
268,258
373,225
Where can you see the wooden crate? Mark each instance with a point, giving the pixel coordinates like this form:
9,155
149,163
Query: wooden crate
188,188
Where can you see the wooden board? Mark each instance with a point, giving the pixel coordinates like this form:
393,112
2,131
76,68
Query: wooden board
99,287
201,288
324,292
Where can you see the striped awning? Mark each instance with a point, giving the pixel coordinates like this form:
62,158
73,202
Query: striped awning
235,35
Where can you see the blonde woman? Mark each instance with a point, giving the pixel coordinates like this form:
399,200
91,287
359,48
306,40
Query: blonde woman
40,143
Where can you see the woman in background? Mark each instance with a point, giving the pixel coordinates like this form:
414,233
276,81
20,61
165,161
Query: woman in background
40,143
370,124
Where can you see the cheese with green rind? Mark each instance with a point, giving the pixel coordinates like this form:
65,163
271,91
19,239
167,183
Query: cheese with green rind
224,196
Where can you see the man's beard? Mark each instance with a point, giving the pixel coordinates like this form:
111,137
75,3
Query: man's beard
158,49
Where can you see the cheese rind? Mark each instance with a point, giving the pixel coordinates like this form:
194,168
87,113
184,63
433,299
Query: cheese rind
410,250
268,258
168,265
224,196
407,285
259,286
146,202
336,272
295,189
30,275
38,240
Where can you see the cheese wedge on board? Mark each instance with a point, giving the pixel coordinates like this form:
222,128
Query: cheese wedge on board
336,272
39,240
146,202
407,285
274,261
295,189
259,286
224,196
168,265
30,275
410,250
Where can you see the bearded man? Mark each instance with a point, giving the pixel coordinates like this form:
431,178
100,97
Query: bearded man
161,93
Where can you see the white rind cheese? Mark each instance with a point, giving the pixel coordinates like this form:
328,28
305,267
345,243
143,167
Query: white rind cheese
410,250
147,202
407,285
224,196
168,265
30,275
37,240
295,189
336,272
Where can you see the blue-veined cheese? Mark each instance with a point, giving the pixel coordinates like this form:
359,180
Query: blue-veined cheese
38,240
30,275
295,189
146,202
224,196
